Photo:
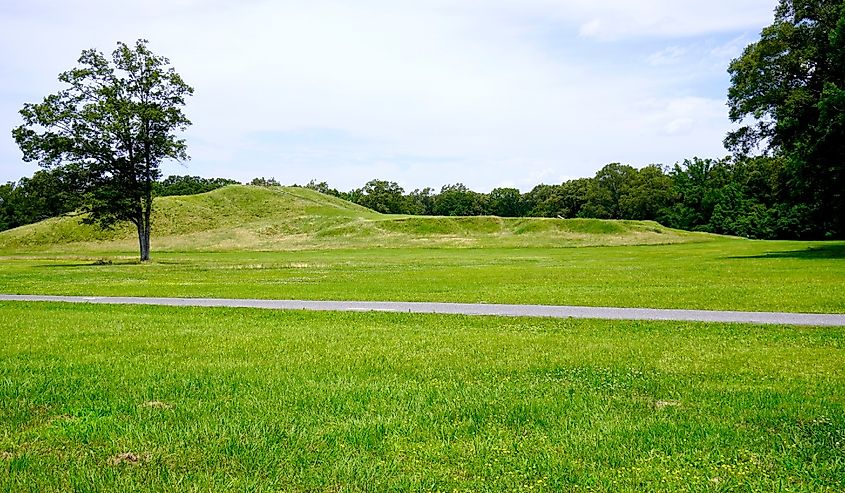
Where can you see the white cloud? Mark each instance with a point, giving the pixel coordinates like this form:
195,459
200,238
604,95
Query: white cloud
667,56
730,49
613,20
427,92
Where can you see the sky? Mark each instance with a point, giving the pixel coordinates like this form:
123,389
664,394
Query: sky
493,93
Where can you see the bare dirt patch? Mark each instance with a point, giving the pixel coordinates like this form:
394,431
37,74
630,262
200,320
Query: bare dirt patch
156,405
125,458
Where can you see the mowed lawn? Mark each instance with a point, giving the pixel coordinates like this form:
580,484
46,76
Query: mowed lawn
133,398
729,274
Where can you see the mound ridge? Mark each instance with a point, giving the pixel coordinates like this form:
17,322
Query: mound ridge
241,217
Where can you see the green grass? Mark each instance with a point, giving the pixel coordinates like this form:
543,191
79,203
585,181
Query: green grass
243,218
248,213
727,274
249,400
294,243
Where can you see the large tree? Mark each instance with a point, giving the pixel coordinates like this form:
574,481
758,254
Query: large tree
606,189
505,202
788,91
383,196
113,126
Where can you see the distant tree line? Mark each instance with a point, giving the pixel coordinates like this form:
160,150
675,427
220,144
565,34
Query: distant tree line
46,194
56,192
189,185
747,197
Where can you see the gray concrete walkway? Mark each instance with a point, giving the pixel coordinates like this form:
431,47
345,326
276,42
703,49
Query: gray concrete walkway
465,309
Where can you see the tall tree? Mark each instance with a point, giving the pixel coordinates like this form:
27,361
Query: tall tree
695,184
789,87
505,202
383,196
606,190
458,200
645,194
421,202
112,127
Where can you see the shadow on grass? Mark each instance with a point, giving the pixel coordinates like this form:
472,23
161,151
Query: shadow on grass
836,251
96,263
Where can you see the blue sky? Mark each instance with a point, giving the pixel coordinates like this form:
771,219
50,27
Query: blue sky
493,93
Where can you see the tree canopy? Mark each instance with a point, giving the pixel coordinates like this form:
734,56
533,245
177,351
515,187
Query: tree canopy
788,91
188,185
111,128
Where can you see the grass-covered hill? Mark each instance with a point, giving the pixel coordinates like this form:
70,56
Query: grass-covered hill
258,218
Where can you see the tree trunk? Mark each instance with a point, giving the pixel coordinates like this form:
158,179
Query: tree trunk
144,239
144,212
145,248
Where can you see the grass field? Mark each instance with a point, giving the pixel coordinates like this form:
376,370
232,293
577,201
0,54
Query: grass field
132,398
718,274
99,398
293,243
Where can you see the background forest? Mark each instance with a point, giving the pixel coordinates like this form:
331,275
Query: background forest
746,197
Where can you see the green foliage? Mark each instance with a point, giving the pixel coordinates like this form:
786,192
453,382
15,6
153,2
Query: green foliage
48,193
645,194
264,182
565,200
111,128
505,202
421,202
458,200
542,201
606,190
696,183
745,197
791,84
188,185
323,188
382,196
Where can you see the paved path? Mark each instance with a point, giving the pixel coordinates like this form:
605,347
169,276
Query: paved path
465,309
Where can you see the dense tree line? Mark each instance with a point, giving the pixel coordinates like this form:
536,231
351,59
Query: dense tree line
189,185
46,194
745,197
56,192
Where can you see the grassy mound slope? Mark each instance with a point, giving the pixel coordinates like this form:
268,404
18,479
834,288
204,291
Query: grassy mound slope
255,218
